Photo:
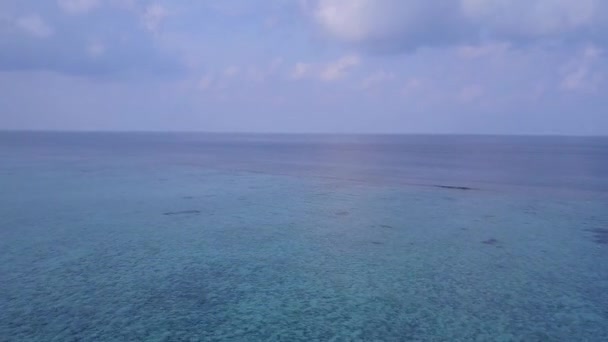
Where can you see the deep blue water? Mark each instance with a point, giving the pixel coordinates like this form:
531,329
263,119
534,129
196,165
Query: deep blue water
244,237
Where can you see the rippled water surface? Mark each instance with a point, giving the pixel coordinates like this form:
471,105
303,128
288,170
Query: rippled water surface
217,237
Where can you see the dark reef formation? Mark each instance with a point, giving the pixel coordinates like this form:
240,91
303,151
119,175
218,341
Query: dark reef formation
600,235
452,187
184,212
492,242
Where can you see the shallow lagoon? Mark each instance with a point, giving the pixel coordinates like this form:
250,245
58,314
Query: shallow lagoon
256,238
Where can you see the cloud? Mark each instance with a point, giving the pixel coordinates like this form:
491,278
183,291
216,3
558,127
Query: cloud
531,18
153,16
339,69
398,25
78,6
327,72
581,74
238,76
377,78
34,25
386,24
109,43
301,70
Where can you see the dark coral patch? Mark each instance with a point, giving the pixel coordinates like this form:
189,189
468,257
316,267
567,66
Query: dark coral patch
600,235
184,212
598,230
452,187
602,239
492,242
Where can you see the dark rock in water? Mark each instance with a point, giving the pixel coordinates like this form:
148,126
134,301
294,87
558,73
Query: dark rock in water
184,212
600,235
451,187
342,213
492,242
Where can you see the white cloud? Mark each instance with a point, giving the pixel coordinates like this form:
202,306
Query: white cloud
153,16
326,72
66,43
78,6
34,25
234,75
531,18
401,24
376,21
580,74
301,70
339,68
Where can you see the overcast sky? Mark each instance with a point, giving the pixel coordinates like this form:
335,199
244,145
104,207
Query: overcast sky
393,66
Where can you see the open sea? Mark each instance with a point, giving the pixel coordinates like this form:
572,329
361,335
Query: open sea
245,237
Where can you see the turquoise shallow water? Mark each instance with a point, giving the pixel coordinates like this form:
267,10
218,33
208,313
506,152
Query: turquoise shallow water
105,240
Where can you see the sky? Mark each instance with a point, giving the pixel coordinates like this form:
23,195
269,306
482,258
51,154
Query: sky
327,66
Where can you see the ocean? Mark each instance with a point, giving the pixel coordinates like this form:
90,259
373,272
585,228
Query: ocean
269,237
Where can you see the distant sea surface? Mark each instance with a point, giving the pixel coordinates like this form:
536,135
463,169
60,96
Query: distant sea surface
267,237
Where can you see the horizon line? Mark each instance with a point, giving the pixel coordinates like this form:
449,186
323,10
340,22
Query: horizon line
121,131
